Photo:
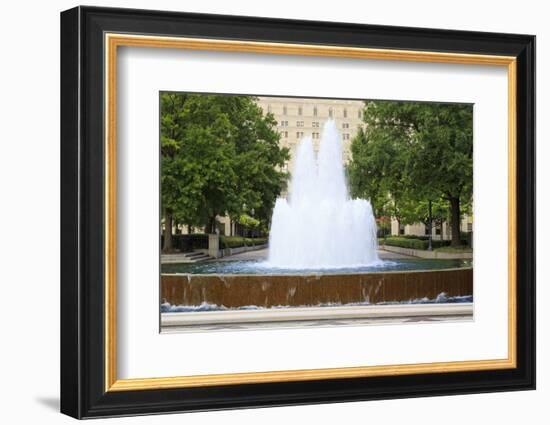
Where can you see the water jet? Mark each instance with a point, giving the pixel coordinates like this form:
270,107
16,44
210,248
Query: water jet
319,226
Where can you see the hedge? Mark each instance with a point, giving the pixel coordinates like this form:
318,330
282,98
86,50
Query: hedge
188,243
465,237
411,243
238,241
414,243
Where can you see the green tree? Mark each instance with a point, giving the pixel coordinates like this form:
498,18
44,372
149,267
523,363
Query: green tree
378,167
431,213
219,156
259,160
174,178
413,151
443,157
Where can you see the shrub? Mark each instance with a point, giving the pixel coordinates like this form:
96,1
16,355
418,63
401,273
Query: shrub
238,241
414,237
466,238
415,243
407,243
256,241
188,243
436,243
231,241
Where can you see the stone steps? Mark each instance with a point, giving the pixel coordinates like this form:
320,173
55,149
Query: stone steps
184,257
194,254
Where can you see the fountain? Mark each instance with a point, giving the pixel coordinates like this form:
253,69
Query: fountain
322,252
320,227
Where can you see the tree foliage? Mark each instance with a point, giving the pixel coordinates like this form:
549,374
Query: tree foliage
219,156
411,155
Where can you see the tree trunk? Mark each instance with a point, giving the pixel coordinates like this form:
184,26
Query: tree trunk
429,225
167,245
455,221
212,224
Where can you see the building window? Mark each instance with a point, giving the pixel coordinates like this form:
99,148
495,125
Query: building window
315,124
315,111
426,230
299,123
299,110
345,125
330,112
401,229
359,114
284,110
315,135
346,136
285,134
438,231
470,227
345,113
299,134
284,123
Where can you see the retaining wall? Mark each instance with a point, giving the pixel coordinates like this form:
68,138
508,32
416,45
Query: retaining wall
421,253
302,290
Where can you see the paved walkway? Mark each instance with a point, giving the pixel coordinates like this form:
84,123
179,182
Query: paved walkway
316,316
261,254
387,255
183,257
421,253
315,323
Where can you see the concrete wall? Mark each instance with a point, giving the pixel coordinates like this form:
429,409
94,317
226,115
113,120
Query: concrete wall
421,253
232,251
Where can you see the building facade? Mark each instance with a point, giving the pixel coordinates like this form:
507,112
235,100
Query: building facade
299,117
442,232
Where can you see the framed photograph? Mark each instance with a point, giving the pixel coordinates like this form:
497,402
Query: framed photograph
261,212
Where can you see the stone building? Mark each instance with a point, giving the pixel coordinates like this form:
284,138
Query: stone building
438,232
299,117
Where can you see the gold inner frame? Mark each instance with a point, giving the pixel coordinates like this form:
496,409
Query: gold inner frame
113,41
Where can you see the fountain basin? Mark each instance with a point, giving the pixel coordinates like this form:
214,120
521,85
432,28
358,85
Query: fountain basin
235,291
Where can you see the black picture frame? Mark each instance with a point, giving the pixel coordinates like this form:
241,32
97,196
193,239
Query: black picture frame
83,392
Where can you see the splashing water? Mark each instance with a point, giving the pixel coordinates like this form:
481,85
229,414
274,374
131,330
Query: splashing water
320,226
